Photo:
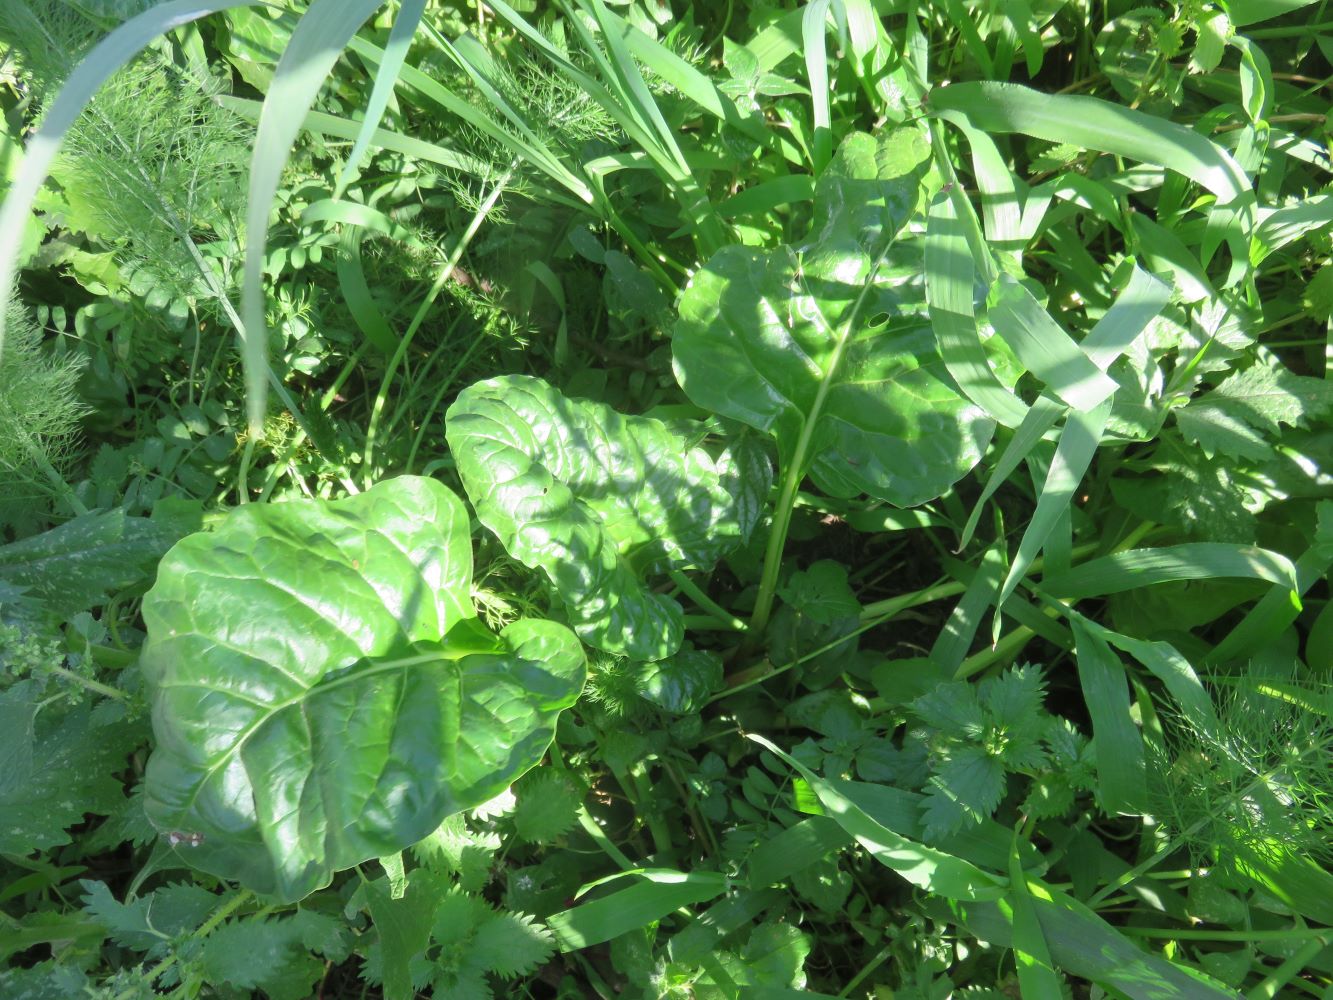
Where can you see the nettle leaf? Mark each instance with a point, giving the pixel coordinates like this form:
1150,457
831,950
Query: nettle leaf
60,766
965,789
149,922
322,692
1248,407
548,805
827,346
595,500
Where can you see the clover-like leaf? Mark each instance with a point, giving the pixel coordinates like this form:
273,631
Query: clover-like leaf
827,347
596,500
322,692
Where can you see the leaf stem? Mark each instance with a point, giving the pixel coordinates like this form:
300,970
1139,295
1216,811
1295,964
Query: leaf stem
89,683
455,255
697,595
798,464
602,840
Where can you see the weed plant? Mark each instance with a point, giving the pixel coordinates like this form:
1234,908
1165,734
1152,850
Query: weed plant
666,500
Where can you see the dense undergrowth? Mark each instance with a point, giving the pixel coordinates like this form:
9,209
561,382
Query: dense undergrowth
629,499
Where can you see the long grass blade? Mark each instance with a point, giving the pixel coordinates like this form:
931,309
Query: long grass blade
813,33
105,58
950,277
395,54
1078,444
927,867
1041,417
1122,571
1044,348
1138,304
1091,123
1037,978
316,44
1122,782
660,894
1166,663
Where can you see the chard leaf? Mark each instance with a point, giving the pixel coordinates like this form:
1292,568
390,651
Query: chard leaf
322,692
597,501
827,347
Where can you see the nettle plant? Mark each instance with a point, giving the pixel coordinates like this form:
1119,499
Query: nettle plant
323,690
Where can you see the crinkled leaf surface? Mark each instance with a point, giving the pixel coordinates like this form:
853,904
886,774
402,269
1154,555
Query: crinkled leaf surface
826,346
596,500
682,683
322,693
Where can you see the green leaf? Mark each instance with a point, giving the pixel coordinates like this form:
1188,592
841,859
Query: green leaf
660,894
404,926
927,867
69,760
76,566
251,953
681,683
821,593
1120,760
149,922
774,956
965,789
322,693
594,499
548,804
511,944
1250,406
825,346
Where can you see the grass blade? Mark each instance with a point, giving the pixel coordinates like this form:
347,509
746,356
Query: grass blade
1095,124
322,123
1122,782
813,34
1138,304
1136,568
795,849
1166,663
1037,978
395,54
1041,417
1276,610
105,58
1078,444
955,638
316,44
927,867
950,276
1044,348
609,917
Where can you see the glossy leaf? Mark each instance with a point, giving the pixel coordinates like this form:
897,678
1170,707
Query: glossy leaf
322,692
826,346
596,500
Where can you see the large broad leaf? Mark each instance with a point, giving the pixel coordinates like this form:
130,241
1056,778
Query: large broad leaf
322,692
827,346
595,500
